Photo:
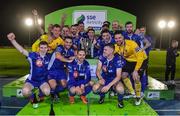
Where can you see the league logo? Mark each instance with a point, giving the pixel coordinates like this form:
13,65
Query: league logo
80,19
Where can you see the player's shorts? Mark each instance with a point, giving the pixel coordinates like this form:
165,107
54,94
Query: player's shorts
130,66
106,83
57,75
35,83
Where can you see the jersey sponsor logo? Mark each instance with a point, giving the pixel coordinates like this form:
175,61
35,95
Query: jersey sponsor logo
81,74
39,63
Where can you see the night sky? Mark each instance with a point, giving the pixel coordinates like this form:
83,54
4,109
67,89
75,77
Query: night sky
148,12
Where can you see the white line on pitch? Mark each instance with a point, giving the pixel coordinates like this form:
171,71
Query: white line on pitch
173,110
13,107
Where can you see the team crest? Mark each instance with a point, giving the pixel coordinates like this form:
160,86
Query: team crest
75,74
104,68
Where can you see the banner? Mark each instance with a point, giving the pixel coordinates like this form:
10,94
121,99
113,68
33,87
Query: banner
94,18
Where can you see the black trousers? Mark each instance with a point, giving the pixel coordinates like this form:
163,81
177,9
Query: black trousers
170,69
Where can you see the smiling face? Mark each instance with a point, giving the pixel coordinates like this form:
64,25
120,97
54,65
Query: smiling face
91,34
119,39
115,26
56,31
129,28
107,51
81,27
43,48
81,55
74,30
143,30
67,43
106,37
65,31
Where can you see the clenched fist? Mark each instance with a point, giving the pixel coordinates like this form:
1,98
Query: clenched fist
11,36
34,12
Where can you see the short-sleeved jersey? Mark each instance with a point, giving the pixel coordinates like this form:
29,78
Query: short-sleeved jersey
101,43
51,44
109,68
76,41
38,66
131,52
148,38
82,34
56,64
79,73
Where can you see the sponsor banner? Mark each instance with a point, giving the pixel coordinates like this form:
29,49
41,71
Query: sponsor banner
153,95
93,18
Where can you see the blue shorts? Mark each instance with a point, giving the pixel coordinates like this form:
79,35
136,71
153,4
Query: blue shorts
35,83
57,75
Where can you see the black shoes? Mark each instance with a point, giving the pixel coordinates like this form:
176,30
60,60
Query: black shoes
120,104
101,100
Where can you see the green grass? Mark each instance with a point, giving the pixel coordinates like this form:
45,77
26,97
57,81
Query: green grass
109,107
157,64
12,63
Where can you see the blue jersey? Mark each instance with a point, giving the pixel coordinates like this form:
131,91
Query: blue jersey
76,41
109,67
149,38
83,34
79,73
102,43
134,37
56,64
39,65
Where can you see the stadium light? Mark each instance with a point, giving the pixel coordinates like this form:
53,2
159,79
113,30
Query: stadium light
171,24
162,24
39,22
29,22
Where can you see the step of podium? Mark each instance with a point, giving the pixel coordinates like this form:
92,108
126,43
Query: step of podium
156,90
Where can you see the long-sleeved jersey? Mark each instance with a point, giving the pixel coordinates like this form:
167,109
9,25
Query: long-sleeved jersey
171,56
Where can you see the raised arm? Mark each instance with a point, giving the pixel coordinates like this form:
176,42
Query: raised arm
147,44
11,38
35,14
63,19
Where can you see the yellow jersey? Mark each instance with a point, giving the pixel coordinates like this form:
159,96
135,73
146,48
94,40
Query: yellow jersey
131,52
51,44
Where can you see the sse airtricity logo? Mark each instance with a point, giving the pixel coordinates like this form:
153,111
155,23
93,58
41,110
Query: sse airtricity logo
80,19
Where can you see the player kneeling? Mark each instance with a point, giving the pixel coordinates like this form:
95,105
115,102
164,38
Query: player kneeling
38,75
108,71
79,78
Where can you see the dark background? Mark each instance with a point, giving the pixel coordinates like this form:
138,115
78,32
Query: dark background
148,12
